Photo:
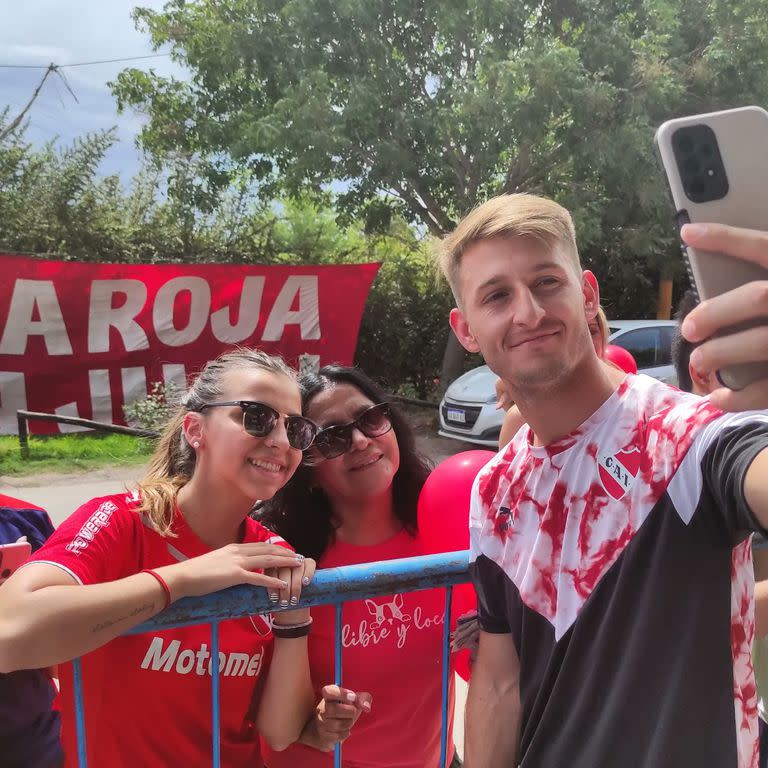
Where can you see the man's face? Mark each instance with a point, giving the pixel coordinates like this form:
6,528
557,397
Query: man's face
526,310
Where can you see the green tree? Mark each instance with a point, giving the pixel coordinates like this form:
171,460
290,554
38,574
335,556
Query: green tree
432,106
427,107
53,202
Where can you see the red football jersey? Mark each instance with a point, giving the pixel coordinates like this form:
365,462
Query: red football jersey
147,698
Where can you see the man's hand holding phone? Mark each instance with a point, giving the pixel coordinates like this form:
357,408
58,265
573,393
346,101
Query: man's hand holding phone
748,302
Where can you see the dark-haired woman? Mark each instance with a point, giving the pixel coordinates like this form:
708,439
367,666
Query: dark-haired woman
354,501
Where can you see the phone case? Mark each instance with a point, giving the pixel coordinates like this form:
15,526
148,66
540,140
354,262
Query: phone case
742,137
11,557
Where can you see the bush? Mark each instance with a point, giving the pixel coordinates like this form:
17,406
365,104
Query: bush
154,411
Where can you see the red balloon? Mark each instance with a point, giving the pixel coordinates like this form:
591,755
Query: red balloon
620,357
443,520
443,510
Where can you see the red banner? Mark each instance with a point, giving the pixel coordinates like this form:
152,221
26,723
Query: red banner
84,339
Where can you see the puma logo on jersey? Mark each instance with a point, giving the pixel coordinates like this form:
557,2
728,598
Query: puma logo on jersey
184,662
618,472
504,519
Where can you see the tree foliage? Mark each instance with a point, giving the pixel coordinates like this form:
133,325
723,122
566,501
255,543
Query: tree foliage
53,202
428,107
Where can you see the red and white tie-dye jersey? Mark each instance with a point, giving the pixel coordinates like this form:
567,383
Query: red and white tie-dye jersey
618,558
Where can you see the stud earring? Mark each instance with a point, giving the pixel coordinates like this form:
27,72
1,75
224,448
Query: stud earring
195,444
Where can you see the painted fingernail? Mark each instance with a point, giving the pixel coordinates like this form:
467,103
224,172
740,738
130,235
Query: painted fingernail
351,697
273,597
305,581
283,603
294,601
366,706
300,558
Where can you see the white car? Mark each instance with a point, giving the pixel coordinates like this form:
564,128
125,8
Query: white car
468,411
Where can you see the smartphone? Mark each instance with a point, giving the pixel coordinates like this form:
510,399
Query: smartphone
716,166
11,557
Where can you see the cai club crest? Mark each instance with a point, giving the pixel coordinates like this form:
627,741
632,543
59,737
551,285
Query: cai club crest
618,471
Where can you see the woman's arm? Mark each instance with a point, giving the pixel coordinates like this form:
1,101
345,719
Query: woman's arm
46,617
288,697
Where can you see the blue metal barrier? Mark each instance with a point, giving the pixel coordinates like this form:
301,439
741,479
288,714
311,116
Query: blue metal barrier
331,586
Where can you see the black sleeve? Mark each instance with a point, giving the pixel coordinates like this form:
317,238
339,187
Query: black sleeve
491,587
724,466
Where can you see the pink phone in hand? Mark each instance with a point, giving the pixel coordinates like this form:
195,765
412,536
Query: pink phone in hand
12,556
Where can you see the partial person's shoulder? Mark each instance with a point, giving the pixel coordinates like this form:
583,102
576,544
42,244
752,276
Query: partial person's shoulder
19,521
256,533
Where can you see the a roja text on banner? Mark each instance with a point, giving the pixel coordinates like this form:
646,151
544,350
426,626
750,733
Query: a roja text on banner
83,339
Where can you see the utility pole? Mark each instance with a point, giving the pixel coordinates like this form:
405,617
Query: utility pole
17,121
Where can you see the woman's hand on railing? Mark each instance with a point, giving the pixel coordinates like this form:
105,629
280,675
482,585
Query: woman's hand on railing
334,717
231,565
296,578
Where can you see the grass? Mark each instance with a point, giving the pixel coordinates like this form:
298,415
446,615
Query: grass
72,453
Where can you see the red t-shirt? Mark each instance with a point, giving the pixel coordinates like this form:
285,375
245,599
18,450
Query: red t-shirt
148,697
393,650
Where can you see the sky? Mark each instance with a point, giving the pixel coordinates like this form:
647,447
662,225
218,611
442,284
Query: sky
68,31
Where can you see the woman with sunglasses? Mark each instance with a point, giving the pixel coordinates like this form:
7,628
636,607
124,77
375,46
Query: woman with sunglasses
354,501
119,560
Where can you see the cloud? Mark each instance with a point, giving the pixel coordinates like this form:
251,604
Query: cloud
38,32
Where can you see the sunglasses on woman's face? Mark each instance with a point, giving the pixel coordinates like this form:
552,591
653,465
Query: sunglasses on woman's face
336,440
260,419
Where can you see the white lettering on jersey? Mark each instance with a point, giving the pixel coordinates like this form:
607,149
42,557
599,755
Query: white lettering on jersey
98,520
174,659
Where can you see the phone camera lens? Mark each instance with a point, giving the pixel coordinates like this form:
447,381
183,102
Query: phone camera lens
685,144
692,165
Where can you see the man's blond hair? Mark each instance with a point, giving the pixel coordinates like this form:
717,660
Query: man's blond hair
517,216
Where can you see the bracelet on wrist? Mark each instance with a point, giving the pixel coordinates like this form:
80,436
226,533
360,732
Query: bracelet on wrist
161,581
291,631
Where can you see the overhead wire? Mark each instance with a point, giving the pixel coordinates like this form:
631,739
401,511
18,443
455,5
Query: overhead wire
85,63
